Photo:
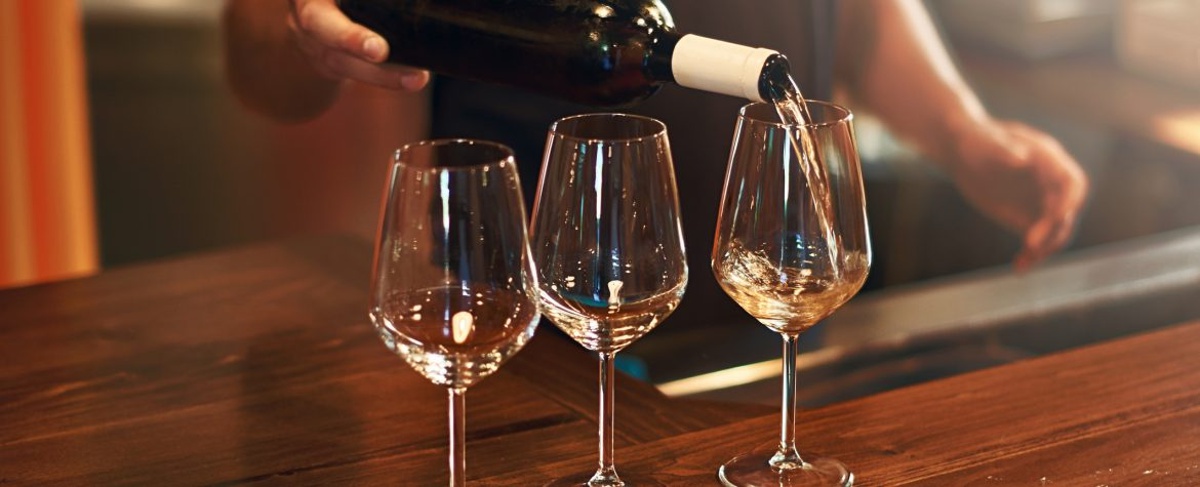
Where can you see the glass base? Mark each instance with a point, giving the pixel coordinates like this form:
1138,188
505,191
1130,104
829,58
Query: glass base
753,469
582,479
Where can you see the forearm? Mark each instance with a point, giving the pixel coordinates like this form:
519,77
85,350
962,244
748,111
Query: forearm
265,68
893,62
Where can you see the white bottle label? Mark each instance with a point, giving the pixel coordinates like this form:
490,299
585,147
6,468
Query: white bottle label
719,66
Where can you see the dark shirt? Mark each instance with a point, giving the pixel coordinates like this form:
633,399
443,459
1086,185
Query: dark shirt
699,125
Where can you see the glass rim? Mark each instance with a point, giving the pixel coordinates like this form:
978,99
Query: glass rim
845,119
660,128
506,154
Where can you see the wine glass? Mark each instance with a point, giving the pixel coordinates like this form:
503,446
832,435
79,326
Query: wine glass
608,243
791,247
454,292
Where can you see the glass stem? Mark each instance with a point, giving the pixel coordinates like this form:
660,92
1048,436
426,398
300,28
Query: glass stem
458,437
606,474
787,457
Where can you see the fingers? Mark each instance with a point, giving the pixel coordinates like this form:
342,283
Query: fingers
1047,236
1052,231
1034,248
323,22
392,77
1064,189
338,48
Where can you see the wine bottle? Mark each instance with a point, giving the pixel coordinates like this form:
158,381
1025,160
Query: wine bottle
594,52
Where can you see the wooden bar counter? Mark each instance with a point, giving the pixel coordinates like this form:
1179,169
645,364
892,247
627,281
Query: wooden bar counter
258,366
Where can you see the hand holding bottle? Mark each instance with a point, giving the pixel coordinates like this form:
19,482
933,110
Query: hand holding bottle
341,49
287,59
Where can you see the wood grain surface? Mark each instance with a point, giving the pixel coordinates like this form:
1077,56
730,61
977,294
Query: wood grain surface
1121,413
258,366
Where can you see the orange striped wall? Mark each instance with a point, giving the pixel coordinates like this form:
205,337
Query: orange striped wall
47,224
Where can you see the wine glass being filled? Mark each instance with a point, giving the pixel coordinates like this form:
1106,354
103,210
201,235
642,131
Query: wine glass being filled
791,247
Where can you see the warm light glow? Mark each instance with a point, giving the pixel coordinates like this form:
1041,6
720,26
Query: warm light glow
47,229
745,374
462,325
1181,129
177,10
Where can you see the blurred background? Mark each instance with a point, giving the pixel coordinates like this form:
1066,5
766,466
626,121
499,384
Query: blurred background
159,160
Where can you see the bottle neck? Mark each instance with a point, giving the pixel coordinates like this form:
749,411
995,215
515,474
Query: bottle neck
712,65
658,57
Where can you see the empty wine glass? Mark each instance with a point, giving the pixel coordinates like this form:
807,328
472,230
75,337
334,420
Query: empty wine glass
454,289
790,250
608,243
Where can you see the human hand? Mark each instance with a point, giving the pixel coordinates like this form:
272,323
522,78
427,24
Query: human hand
1023,179
339,49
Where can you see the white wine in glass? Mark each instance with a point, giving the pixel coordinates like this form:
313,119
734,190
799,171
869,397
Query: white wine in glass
791,248
454,291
